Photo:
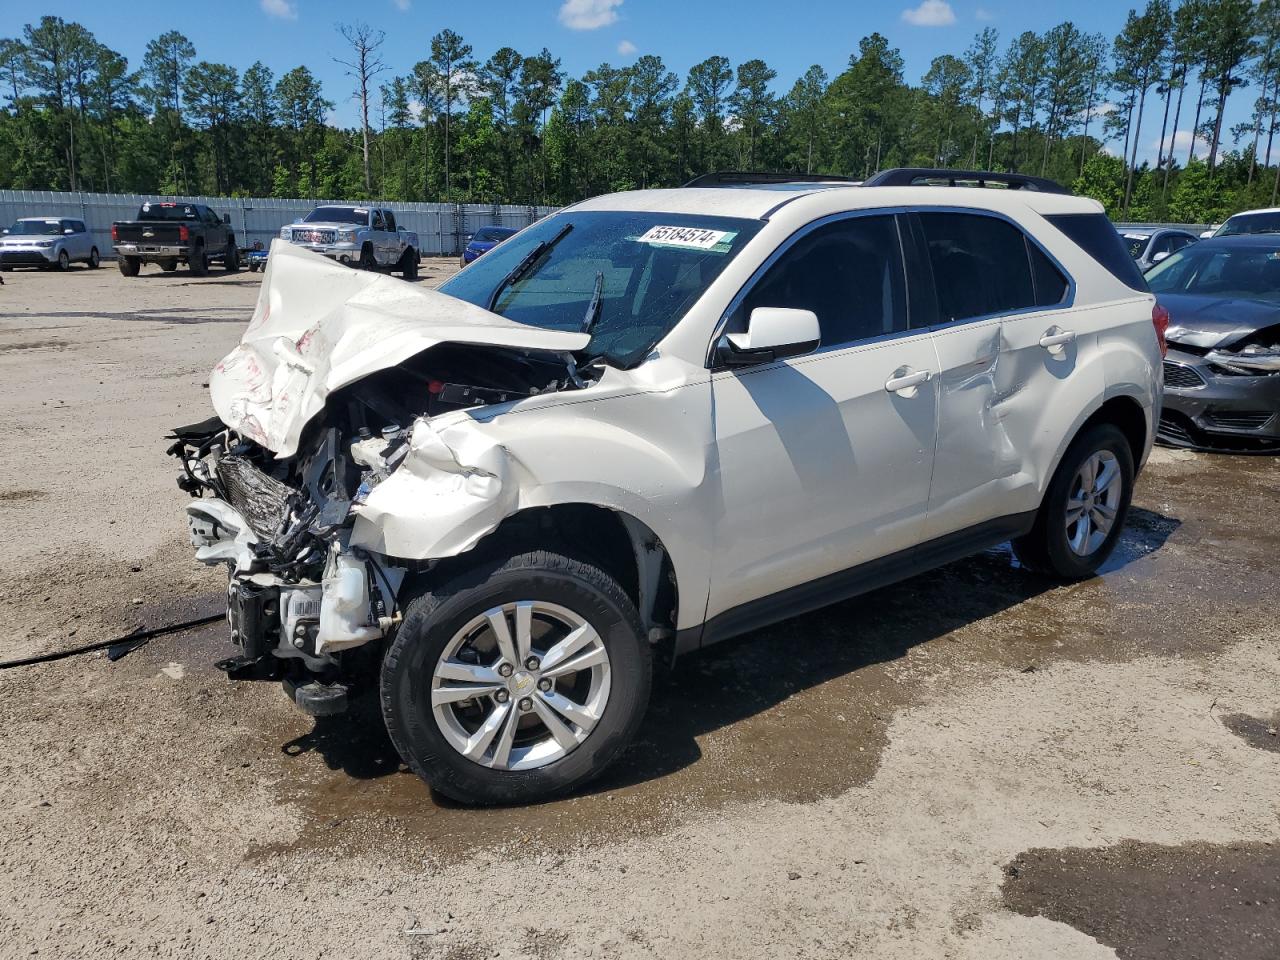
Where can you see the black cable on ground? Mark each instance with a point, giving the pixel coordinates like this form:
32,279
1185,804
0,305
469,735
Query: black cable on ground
130,640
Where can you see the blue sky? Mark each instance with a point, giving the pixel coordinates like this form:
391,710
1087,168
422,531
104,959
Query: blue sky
583,33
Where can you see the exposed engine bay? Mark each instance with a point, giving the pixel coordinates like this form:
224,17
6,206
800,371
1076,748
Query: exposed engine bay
299,522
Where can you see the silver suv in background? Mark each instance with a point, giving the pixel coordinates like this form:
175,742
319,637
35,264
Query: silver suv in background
1149,245
650,422
365,237
48,242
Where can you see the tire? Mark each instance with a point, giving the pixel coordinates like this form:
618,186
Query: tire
129,266
1048,548
94,260
231,259
408,265
198,262
367,260
64,261
558,587
168,266
253,267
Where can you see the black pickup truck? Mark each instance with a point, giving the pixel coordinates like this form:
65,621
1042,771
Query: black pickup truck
169,233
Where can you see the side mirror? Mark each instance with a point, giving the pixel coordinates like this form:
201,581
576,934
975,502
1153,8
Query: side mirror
1160,256
773,333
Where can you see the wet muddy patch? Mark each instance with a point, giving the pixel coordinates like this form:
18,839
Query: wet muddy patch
1153,902
24,345
22,495
1260,732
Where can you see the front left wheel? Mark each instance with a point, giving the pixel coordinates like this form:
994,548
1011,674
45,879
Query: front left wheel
517,680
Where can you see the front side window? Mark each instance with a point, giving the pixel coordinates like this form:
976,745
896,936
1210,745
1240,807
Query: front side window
848,272
649,269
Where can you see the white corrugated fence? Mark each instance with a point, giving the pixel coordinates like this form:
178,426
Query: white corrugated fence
441,227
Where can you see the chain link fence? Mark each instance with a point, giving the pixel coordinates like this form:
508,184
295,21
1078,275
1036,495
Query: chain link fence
442,228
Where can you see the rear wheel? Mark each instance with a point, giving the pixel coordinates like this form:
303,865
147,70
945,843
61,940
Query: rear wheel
1085,507
94,259
517,680
129,266
198,262
231,259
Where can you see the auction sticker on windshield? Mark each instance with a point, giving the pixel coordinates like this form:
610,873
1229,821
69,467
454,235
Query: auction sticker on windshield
696,238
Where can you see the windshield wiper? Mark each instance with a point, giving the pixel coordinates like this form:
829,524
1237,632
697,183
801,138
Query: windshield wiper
540,249
593,308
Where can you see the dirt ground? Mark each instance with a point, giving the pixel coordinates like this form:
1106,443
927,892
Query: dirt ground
977,764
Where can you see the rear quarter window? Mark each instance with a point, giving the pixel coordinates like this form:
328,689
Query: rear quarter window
1095,235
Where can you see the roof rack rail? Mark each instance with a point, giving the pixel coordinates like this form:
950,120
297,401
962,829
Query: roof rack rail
930,177
740,178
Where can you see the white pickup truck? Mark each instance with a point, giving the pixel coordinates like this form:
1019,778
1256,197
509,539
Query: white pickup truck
365,237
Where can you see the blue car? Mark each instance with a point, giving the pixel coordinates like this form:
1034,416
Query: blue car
484,240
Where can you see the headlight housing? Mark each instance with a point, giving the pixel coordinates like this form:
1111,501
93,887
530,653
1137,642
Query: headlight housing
45,243
284,233
346,236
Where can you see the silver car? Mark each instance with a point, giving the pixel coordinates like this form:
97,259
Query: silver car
1149,245
47,242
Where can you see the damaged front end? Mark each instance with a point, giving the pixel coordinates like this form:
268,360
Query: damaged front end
323,483
298,595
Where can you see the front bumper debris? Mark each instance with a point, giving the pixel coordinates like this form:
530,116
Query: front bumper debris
1210,406
298,596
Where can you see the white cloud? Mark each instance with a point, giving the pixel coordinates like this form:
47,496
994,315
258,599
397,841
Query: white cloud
402,5
930,13
1181,146
982,13
626,48
589,14
283,9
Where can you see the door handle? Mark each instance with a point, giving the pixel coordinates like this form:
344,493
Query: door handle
1054,342
907,381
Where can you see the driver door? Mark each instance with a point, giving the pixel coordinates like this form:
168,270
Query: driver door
825,460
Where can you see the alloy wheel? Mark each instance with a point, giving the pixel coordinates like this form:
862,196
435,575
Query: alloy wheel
521,685
1094,502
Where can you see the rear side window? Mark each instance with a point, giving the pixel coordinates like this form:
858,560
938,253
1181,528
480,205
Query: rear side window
848,272
1050,285
980,265
1094,234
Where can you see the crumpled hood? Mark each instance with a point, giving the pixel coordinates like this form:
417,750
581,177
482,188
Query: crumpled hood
1209,322
319,326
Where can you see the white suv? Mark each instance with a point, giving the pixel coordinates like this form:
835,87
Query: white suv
650,422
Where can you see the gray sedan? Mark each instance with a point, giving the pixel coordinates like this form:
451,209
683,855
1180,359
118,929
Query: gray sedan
1149,245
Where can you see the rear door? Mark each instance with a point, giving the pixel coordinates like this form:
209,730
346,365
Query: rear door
1007,347
824,459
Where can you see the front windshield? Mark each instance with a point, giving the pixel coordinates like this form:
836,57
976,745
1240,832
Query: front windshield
357,215
36,228
1247,273
652,267
1136,243
492,234
1250,223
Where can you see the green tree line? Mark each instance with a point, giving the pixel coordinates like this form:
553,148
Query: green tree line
1078,107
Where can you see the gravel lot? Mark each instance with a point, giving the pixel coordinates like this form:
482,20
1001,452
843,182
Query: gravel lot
975,764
